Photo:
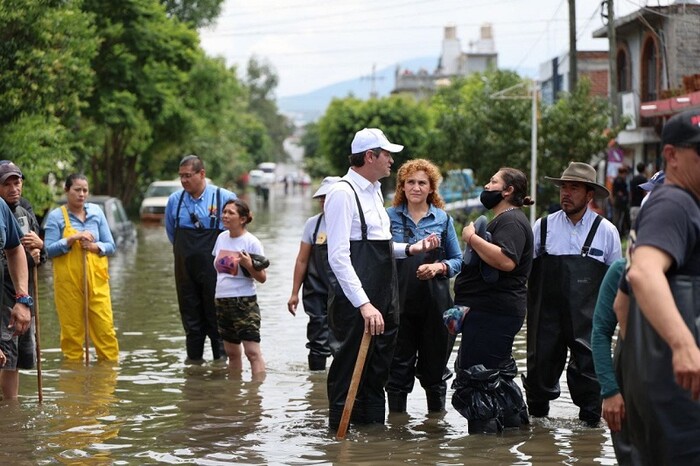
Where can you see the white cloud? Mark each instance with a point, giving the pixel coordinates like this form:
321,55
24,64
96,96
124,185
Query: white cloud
313,43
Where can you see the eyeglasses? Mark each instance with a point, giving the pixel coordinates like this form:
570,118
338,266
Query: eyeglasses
187,176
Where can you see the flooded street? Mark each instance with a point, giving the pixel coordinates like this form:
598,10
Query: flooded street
152,409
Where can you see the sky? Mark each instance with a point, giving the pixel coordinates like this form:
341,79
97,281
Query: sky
314,43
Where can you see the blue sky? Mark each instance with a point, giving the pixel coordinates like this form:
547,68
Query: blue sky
312,43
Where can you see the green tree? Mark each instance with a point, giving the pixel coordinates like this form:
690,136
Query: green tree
402,119
142,70
475,130
194,13
45,52
574,129
262,80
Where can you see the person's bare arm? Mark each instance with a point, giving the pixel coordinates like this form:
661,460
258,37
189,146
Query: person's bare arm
648,280
300,267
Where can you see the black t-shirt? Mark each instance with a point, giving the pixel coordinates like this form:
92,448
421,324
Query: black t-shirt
670,221
512,232
637,193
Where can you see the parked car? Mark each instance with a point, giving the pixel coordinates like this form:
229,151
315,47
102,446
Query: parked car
123,230
155,199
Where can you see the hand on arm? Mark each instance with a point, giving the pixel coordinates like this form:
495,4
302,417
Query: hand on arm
488,252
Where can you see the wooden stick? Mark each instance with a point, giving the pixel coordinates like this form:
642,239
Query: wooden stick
85,308
354,384
37,335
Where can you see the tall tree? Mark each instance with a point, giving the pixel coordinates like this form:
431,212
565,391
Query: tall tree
194,13
474,130
262,81
402,119
142,69
46,48
574,129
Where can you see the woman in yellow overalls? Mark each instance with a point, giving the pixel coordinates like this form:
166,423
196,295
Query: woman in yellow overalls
78,240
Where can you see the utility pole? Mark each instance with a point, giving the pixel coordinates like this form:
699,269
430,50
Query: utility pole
573,65
373,78
531,94
612,60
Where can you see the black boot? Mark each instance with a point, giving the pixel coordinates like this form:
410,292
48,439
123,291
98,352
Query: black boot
317,362
397,402
435,397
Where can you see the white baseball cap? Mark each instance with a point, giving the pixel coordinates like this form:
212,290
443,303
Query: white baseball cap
326,186
371,138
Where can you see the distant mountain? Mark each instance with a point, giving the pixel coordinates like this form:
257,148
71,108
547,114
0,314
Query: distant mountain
312,105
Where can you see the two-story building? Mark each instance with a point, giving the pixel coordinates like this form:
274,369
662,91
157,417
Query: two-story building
658,73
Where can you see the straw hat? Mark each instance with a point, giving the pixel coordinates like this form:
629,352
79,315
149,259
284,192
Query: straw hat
582,173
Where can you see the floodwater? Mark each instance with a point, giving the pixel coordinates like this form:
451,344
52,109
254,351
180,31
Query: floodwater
152,409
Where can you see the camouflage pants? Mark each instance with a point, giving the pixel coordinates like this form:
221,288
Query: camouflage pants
238,318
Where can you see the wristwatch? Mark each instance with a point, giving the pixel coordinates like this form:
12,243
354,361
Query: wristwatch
25,299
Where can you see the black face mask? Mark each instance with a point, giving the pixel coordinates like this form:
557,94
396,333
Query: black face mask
490,199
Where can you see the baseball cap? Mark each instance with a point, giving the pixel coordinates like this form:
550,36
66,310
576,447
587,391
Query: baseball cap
326,186
683,128
9,169
371,138
657,179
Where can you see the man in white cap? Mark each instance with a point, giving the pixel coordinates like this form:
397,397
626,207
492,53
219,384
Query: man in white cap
311,269
661,358
364,293
573,249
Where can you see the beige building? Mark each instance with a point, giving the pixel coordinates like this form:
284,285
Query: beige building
453,62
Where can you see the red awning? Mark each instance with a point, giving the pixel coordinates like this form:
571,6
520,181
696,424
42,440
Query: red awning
668,107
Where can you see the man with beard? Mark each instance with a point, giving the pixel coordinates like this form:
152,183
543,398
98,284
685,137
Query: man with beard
573,249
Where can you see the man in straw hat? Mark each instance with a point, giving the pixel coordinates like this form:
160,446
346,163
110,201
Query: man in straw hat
661,359
573,249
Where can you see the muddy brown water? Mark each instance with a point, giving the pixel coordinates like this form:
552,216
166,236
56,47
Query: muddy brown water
152,409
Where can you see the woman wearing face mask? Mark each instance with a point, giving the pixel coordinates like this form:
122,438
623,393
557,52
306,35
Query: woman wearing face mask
485,392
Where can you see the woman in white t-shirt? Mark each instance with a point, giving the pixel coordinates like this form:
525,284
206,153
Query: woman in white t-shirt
237,311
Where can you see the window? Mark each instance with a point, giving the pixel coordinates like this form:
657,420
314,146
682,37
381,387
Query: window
650,65
623,70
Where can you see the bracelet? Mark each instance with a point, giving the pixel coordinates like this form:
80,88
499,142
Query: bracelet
408,250
444,268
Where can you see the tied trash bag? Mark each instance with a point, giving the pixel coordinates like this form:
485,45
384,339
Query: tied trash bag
475,393
482,394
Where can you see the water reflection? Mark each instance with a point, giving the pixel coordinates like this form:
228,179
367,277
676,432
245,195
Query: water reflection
152,409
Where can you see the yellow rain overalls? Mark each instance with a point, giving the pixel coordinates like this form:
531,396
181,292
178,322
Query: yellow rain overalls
69,293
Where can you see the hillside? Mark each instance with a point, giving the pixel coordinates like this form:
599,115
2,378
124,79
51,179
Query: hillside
311,105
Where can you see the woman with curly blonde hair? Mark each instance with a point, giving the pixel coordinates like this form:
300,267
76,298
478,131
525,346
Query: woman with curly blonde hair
424,346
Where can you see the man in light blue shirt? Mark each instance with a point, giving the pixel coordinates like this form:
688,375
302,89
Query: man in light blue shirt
193,222
573,249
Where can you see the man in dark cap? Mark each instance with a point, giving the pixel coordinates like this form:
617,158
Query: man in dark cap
20,350
573,249
661,359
